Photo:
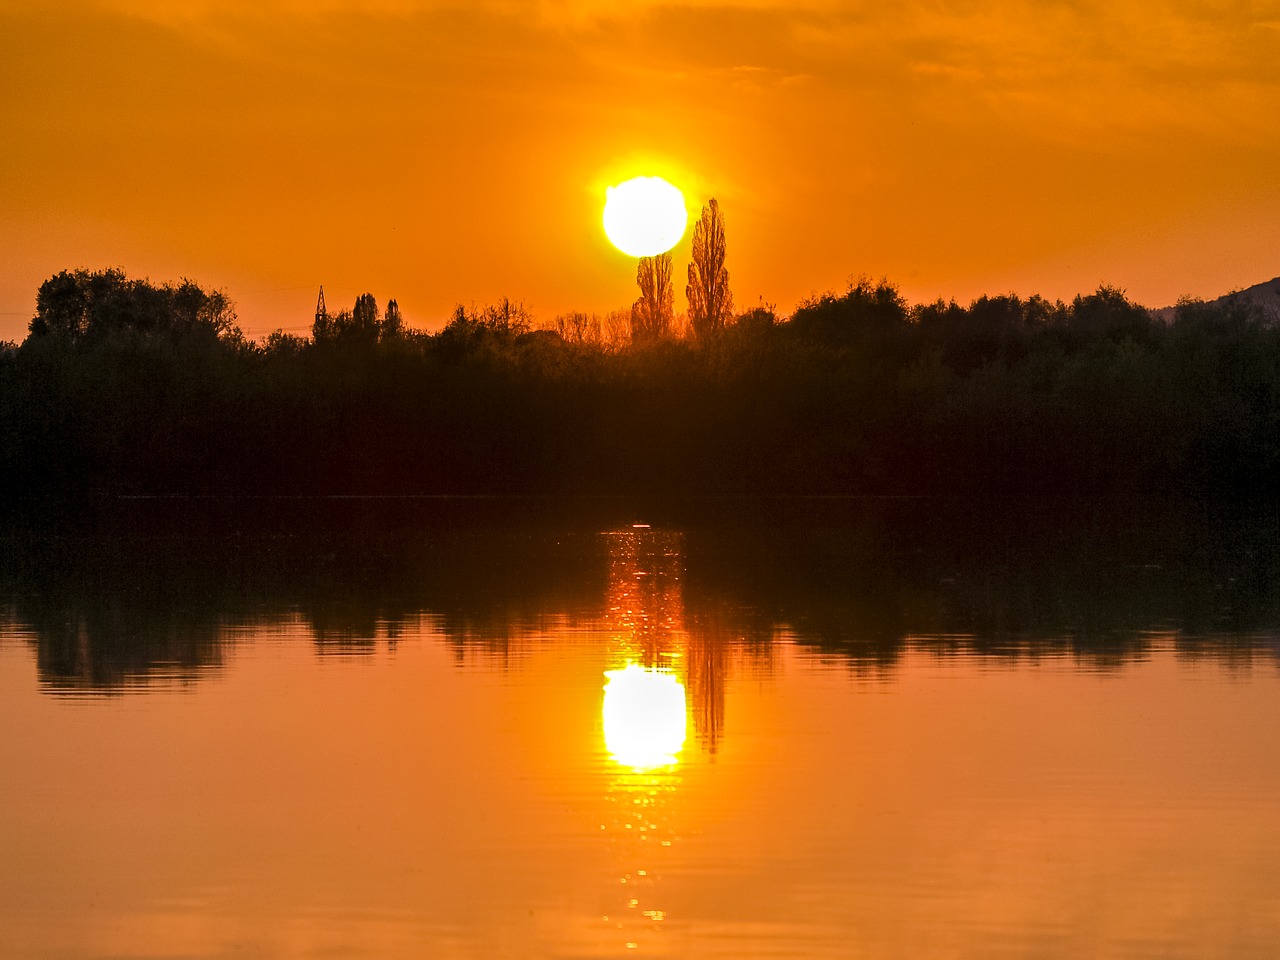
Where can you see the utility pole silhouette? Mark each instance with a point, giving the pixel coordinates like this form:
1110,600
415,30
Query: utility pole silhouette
321,314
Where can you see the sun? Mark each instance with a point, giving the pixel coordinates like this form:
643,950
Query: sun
644,216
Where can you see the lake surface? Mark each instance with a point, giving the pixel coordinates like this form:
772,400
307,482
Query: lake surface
822,738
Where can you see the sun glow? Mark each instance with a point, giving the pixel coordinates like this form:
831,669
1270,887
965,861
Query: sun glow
644,717
644,216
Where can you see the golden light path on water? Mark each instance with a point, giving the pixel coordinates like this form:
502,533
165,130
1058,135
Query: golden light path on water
645,722
644,717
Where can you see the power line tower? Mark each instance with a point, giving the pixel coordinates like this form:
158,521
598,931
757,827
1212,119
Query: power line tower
321,314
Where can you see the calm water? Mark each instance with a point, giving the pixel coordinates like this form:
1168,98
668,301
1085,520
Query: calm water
538,741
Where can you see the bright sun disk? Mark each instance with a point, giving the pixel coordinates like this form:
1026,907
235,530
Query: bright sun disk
644,216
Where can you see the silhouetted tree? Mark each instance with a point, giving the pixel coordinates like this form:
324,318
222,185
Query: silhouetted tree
867,312
364,318
506,317
710,300
578,328
651,313
392,321
84,307
1108,313
759,318
493,325
279,343
615,329
332,328
322,328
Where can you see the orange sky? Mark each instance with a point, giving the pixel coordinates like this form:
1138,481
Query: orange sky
443,152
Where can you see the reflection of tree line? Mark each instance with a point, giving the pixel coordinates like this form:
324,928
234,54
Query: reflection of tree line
106,645
1098,584
106,612
648,617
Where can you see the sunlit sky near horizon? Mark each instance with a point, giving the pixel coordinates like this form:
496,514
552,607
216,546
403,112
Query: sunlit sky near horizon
458,152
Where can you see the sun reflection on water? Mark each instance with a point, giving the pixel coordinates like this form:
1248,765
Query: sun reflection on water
644,717
646,721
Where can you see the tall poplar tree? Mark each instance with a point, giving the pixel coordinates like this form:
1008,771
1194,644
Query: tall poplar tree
651,313
710,300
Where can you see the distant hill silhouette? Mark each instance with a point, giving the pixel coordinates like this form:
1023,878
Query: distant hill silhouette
1266,296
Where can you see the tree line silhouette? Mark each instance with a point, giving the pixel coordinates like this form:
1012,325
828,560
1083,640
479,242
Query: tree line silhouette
124,387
